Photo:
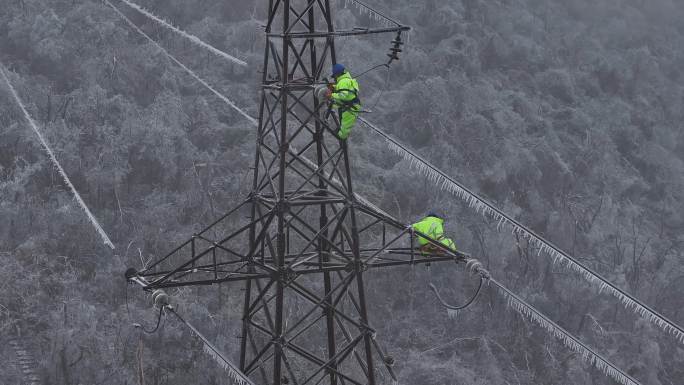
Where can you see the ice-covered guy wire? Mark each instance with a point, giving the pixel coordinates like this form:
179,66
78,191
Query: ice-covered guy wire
53,158
444,181
573,343
234,372
181,65
194,39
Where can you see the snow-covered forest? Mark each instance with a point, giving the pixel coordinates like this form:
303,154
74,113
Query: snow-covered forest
566,114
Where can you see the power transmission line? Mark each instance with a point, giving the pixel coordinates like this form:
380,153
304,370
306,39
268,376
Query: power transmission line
444,181
186,35
161,301
183,66
530,313
233,371
573,343
55,162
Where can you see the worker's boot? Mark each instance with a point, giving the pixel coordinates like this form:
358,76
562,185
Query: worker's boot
427,250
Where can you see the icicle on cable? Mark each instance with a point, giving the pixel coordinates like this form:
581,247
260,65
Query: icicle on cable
233,371
570,341
365,8
196,40
557,255
185,68
53,158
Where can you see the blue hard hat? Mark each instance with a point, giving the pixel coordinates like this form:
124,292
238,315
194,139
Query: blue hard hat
337,69
436,215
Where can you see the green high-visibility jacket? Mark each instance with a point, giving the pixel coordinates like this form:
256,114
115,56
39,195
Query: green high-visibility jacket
346,92
433,227
345,97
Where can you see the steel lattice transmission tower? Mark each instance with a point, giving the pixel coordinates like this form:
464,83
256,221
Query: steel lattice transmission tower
307,239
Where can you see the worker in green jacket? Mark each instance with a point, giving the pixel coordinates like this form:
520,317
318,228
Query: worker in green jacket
432,226
344,96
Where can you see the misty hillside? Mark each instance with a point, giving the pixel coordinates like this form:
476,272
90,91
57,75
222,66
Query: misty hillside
566,114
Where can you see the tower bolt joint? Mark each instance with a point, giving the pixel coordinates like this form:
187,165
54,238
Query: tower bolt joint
279,342
285,274
328,310
318,135
367,330
283,207
357,265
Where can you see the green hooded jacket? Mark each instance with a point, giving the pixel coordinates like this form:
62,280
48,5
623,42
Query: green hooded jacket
346,93
345,98
433,227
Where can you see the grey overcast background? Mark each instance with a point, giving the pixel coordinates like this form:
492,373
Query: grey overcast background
566,113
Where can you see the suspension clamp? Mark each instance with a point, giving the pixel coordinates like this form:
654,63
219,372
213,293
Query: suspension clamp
160,299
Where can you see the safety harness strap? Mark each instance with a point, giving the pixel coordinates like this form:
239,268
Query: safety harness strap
349,103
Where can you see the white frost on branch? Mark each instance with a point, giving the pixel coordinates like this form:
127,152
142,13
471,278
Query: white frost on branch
445,182
53,158
185,68
194,39
570,341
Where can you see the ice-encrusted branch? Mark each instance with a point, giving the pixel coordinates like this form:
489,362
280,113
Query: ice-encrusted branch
570,341
194,39
181,65
236,375
53,158
445,182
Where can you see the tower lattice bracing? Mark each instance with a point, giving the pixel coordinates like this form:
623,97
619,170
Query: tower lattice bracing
302,241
